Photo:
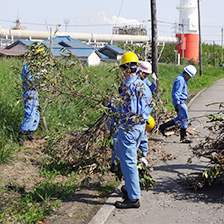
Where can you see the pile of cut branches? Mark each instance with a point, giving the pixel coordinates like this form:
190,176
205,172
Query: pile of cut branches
211,148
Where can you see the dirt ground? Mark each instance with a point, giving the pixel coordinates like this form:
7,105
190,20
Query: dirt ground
24,171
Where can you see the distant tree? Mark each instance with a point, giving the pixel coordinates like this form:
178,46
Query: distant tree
168,54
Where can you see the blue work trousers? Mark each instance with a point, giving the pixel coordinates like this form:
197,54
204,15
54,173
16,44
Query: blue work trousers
31,111
143,146
182,116
114,151
128,144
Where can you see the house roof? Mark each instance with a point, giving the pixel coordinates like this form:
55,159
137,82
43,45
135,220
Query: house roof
81,53
68,42
77,48
55,45
23,42
113,48
11,52
103,56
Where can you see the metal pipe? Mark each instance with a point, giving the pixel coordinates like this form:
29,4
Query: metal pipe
90,37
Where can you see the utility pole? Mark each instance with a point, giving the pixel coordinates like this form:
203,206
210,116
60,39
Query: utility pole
182,38
214,52
51,40
66,21
200,44
154,41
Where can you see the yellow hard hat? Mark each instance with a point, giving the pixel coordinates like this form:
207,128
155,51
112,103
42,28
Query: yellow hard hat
128,57
39,49
150,123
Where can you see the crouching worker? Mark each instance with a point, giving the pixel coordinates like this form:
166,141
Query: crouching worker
179,97
134,111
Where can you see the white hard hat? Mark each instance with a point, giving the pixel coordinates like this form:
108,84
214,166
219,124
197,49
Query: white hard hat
145,66
191,70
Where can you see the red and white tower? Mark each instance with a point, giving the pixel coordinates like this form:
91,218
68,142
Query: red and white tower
188,30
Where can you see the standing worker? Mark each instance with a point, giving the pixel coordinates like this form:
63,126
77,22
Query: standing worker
134,112
179,97
144,70
31,106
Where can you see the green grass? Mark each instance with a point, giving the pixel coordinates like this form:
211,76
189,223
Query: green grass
11,111
24,209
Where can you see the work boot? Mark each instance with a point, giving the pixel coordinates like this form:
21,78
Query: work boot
26,135
125,193
29,135
20,139
183,136
163,127
127,203
113,168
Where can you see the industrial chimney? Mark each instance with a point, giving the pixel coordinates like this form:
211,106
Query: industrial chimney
188,30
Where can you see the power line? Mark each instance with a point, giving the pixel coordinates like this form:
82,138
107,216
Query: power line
119,11
106,24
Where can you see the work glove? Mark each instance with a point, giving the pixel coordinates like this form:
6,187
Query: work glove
43,72
144,162
154,78
177,108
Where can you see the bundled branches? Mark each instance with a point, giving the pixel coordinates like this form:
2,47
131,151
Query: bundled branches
211,148
84,150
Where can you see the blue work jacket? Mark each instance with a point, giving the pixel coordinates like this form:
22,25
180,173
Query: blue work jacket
137,97
180,90
151,86
29,81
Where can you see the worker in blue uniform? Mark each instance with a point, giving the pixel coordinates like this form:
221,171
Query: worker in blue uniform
134,111
144,70
179,97
31,105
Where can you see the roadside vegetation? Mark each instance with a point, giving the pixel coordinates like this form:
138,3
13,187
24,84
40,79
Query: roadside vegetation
73,150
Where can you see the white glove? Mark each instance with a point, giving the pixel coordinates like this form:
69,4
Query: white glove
144,162
43,71
154,78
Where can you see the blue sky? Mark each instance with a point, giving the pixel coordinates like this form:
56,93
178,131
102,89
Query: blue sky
99,16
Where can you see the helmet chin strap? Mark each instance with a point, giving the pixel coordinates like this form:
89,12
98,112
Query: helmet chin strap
129,73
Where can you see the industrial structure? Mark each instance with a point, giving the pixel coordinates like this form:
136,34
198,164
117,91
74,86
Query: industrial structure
188,30
130,30
86,37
